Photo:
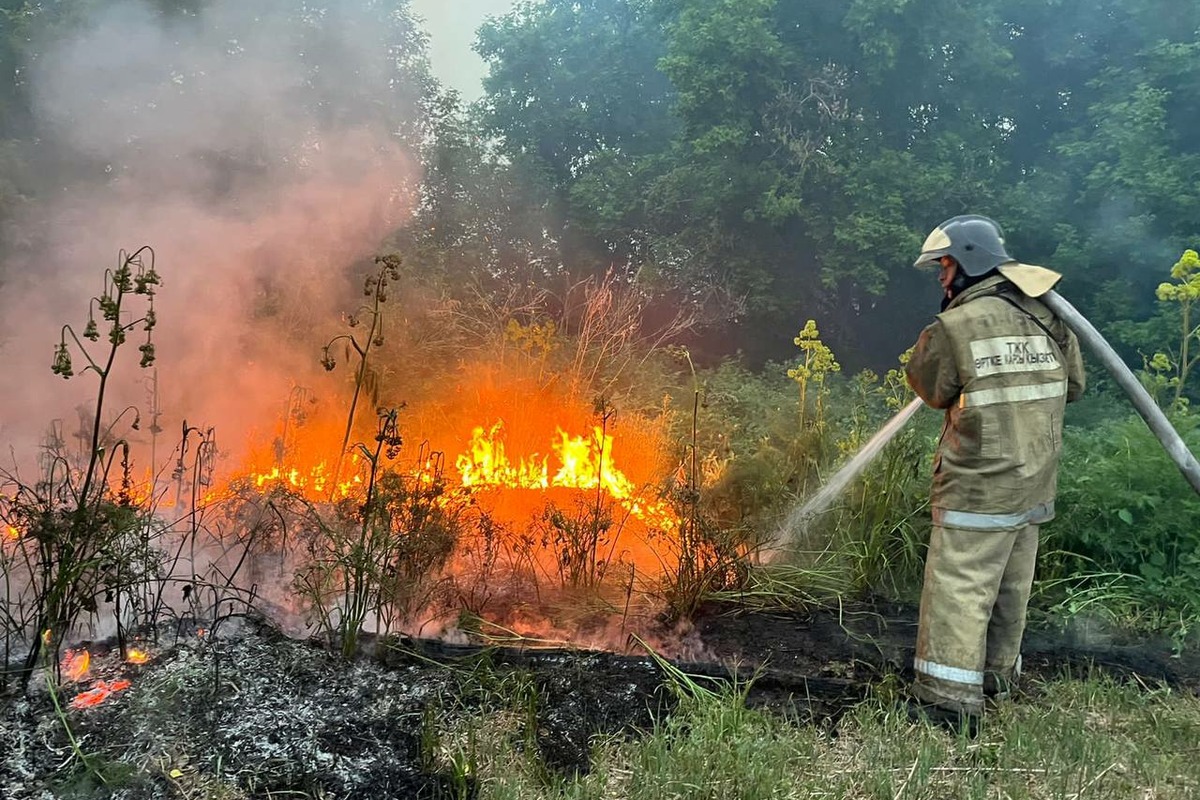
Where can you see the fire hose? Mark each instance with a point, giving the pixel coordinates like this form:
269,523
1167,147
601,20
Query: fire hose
1143,403
1035,282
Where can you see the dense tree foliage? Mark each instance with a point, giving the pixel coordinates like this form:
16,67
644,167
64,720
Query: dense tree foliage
794,154
767,159
724,169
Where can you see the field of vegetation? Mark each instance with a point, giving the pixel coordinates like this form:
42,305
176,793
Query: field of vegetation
444,449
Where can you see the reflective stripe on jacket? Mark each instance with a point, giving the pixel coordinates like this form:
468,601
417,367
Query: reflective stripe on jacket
1003,380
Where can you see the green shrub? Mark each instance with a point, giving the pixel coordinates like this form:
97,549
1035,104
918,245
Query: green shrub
1124,508
771,447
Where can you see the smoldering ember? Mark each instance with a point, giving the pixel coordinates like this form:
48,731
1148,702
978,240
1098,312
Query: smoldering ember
365,437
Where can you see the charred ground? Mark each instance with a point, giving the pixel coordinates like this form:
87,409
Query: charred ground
247,712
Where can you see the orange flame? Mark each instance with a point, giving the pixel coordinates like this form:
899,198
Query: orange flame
75,665
139,492
520,462
582,464
135,656
312,482
13,533
99,693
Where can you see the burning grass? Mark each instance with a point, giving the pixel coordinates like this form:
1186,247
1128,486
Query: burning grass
550,494
509,507
489,492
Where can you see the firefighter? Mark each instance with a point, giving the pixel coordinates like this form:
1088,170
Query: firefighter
1002,366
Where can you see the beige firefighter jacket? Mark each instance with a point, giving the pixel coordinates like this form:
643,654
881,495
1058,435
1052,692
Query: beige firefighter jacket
1003,366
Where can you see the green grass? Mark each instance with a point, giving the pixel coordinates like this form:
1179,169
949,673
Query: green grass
1069,739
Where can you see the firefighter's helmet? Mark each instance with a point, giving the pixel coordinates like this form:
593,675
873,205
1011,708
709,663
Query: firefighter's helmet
975,242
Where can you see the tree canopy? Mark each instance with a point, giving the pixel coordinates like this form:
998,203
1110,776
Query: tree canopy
795,154
766,160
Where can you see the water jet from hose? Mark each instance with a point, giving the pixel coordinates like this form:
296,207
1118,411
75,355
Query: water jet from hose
802,517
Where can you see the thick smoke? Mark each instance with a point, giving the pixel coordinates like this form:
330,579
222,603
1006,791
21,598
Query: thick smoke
259,149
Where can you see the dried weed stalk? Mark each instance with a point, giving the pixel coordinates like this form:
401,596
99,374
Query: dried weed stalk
379,557
74,538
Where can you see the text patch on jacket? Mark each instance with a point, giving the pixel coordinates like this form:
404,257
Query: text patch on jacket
1013,354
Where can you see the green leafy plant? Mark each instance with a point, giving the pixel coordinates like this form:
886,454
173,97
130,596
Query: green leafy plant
878,530
816,364
1124,510
1184,292
1125,539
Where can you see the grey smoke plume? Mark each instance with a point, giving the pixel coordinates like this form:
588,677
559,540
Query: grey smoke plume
262,149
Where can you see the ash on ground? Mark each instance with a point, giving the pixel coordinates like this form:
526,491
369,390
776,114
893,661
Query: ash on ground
251,713
248,712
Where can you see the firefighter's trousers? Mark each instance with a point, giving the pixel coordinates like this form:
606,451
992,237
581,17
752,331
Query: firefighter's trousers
973,606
